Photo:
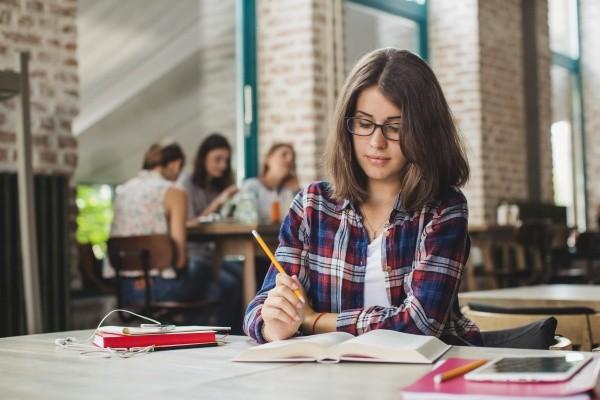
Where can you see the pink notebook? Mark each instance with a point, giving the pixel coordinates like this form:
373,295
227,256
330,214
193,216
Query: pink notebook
581,386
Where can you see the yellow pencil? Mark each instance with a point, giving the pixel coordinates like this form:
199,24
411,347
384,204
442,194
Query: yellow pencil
456,372
269,254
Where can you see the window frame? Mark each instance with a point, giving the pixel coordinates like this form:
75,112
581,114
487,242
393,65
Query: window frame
246,89
406,9
573,66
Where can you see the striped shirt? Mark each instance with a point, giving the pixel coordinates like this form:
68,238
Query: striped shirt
324,243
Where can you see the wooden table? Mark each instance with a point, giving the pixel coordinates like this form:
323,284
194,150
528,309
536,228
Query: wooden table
538,296
31,367
236,239
543,296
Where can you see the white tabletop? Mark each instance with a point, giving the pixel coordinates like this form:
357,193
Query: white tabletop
32,367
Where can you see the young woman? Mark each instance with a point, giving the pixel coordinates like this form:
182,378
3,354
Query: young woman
208,188
277,182
150,203
383,244
211,183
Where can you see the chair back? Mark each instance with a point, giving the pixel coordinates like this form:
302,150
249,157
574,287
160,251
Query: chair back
588,244
535,241
588,248
90,269
537,335
152,252
136,253
572,322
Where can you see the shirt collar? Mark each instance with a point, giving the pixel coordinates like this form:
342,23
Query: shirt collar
345,203
342,205
147,174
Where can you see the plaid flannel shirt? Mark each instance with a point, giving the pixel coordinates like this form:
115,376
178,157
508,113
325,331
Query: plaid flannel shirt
324,243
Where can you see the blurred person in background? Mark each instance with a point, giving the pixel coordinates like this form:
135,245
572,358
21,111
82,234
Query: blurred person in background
276,185
208,188
151,203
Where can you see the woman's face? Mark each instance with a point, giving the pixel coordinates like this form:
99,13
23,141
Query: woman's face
381,159
216,162
281,161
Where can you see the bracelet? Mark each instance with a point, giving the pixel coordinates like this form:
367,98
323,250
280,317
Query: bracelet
314,324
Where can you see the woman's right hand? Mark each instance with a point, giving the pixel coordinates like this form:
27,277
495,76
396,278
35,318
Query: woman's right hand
282,311
226,194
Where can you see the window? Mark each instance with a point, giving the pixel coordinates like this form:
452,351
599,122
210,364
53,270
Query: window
95,213
372,24
567,129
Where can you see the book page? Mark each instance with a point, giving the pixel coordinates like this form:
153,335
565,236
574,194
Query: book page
303,348
382,345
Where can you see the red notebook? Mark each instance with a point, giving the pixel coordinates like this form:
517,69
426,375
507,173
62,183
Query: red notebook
580,386
162,340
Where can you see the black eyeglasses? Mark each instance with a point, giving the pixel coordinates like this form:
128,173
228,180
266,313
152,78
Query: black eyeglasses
364,127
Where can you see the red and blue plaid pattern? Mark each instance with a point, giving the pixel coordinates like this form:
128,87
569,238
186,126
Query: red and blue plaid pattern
324,242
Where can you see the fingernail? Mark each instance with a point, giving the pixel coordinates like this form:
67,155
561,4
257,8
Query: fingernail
297,318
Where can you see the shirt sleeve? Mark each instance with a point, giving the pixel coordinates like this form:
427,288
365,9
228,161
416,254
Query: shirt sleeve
431,287
188,186
290,253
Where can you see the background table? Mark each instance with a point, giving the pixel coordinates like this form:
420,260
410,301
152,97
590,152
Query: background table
32,367
538,296
543,296
236,239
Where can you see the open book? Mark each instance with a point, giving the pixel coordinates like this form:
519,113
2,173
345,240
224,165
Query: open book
379,345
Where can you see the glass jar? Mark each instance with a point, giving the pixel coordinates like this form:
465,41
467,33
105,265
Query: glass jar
246,211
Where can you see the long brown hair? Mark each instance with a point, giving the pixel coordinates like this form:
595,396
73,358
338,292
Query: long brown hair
200,176
435,159
265,166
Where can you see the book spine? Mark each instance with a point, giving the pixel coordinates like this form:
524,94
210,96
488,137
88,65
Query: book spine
158,340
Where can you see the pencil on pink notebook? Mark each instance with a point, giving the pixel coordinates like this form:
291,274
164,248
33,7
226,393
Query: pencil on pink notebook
580,386
458,371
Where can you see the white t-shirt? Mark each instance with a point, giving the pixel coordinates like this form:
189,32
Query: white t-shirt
375,290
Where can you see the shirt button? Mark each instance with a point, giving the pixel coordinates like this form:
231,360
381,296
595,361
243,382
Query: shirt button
387,233
388,268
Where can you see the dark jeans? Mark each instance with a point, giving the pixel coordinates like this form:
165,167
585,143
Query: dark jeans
194,283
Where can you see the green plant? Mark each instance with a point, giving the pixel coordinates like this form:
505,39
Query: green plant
94,203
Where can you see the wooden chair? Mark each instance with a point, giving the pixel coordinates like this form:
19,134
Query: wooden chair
562,267
90,269
573,322
144,254
498,249
562,343
595,327
588,249
534,240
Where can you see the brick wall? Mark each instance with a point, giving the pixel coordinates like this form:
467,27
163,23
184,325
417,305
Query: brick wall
590,71
297,77
454,57
503,115
47,30
286,79
476,52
